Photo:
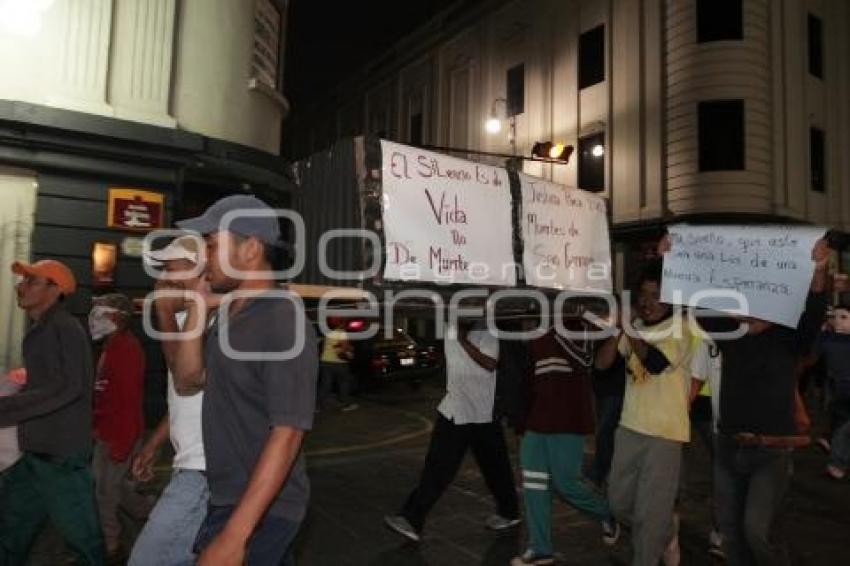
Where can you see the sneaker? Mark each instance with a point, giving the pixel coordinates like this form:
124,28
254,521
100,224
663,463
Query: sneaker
350,407
823,444
531,557
715,545
610,532
499,523
835,472
402,526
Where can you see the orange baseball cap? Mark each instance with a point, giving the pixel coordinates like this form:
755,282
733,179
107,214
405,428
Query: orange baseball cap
51,269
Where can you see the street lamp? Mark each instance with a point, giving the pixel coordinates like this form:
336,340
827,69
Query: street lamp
493,125
553,152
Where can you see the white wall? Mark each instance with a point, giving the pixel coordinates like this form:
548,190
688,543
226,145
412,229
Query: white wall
17,213
211,75
176,64
718,70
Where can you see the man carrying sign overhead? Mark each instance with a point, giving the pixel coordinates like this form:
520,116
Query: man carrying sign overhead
757,428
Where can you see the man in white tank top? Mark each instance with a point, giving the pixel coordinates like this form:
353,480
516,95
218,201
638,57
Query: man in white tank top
170,532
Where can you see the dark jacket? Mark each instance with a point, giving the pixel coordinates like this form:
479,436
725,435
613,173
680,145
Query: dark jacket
53,410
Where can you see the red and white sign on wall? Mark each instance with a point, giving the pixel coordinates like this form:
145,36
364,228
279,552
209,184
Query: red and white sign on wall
134,209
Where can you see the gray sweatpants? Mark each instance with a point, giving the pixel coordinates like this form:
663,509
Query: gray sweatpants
642,491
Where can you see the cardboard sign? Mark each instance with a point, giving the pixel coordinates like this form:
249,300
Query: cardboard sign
565,232
134,209
446,220
771,266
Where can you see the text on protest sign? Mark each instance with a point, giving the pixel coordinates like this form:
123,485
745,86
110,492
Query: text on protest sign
565,234
771,266
446,220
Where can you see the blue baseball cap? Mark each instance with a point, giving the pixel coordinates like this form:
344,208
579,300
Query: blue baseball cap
255,219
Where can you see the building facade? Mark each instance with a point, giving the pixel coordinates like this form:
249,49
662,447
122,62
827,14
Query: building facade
180,99
677,109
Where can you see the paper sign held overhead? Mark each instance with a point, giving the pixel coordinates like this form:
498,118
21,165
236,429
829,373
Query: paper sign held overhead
446,220
771,266
565,234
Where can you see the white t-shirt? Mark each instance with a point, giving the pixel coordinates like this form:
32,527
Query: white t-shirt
706,366
470,389
184,423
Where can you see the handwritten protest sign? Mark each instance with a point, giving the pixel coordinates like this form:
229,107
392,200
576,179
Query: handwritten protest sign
771,266
565,231
446,220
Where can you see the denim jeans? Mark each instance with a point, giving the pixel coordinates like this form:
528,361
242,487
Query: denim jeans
750,483
840,455
173,524
270,545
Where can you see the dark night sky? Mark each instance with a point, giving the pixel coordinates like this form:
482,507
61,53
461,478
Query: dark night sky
327,40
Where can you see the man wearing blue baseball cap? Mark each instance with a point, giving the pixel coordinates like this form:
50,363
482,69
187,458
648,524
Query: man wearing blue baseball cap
256,411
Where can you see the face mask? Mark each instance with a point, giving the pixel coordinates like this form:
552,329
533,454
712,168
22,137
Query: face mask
100,325
841,321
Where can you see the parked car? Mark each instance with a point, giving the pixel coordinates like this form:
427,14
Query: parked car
398,358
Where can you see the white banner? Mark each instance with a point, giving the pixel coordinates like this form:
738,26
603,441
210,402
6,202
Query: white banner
771,266
446,220
565,231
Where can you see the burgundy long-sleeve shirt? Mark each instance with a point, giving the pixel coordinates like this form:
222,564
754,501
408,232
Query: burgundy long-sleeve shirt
119,389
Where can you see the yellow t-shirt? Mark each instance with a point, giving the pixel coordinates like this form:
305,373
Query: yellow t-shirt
335,342
657,405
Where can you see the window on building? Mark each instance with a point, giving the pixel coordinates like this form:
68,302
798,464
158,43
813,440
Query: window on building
719,20
516,90
815,46
266,54
721,135
591,162
591,57
817,160
416,133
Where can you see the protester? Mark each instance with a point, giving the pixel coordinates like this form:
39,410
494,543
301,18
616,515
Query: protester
336,354
557,417
609,386
169,534
757,427
832,347
511,373
118,418
644,477
706,368
258,367
839,457
53,411
464,421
